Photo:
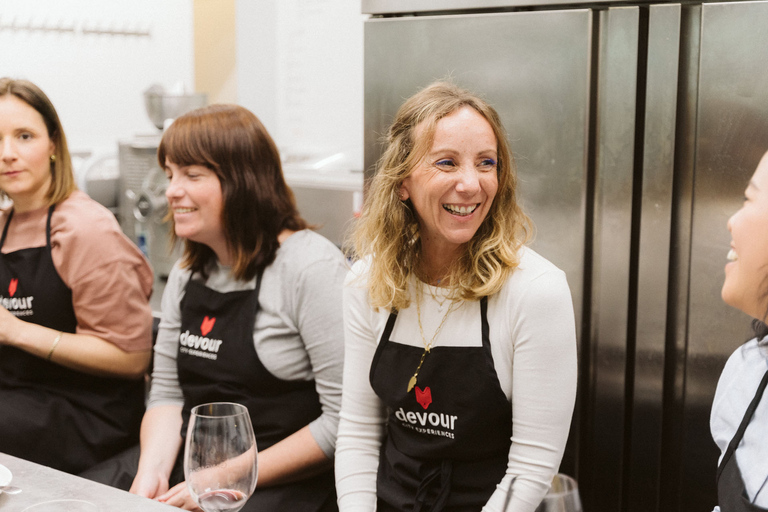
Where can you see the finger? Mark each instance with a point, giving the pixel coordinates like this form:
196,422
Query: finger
173,491
183,501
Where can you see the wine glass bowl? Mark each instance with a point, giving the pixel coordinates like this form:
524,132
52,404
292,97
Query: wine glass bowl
563,496
220,456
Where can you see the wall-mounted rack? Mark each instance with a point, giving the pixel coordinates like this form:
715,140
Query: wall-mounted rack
70,28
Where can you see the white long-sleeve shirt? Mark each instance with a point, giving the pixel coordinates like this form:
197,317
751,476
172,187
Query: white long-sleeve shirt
533,343
735,390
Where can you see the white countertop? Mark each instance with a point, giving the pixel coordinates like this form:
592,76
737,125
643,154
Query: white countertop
40,483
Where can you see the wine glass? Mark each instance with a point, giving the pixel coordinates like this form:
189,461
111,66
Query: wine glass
220,456
563,496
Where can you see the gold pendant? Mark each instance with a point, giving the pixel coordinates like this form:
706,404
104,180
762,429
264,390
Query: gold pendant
412,381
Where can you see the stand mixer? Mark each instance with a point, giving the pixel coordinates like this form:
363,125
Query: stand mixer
142,205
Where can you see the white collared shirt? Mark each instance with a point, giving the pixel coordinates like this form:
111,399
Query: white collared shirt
735,389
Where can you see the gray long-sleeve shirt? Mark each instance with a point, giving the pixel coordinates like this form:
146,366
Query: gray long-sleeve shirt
298,334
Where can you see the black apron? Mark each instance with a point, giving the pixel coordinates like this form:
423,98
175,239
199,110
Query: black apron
58,417
447,441
731,495
217,362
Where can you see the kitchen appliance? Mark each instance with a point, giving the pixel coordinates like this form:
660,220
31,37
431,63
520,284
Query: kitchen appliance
328,188
635,128
164,106
101,179
142,206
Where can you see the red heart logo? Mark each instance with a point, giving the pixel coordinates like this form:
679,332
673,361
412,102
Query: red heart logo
207,325
424,397
12,286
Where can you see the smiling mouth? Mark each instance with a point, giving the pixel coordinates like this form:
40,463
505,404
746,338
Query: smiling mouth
461,211
732,256
184,210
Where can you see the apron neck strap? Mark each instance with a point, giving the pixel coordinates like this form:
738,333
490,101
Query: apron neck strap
5,229
255,290
744,422
47,227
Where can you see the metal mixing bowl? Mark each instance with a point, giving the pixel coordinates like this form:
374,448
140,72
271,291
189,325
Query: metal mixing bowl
162,105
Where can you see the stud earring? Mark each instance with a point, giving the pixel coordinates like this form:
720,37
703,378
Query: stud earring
53,158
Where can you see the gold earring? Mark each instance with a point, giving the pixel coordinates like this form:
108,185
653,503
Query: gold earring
53,158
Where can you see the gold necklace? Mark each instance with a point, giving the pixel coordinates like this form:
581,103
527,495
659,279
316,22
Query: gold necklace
434,295
427,346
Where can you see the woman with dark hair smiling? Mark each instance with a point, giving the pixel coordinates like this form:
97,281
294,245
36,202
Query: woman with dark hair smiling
266,291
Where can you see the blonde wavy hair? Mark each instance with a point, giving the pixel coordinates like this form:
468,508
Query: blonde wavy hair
387,232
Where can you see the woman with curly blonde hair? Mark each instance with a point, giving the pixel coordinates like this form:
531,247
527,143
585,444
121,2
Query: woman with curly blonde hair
460,351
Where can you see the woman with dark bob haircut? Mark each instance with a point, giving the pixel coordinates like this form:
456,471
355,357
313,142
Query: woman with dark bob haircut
75,320
460,369
254,277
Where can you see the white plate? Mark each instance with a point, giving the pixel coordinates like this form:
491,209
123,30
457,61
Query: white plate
5,476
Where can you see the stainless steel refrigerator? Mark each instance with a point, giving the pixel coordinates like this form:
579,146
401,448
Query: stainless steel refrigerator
635,129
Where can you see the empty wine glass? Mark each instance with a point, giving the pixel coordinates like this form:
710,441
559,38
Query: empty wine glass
220,456
563,496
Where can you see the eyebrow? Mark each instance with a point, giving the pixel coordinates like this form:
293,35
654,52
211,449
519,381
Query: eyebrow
436,151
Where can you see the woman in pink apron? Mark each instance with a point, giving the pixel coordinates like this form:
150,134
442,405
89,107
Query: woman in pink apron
75,321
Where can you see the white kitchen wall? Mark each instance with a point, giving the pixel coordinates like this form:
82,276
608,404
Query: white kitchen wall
300,69
299,65
96,80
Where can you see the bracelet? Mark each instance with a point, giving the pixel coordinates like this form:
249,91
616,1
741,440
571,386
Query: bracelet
53,347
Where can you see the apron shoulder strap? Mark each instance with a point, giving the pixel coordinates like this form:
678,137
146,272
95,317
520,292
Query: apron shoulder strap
744,422
382,341
256,291
48,226
5,229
